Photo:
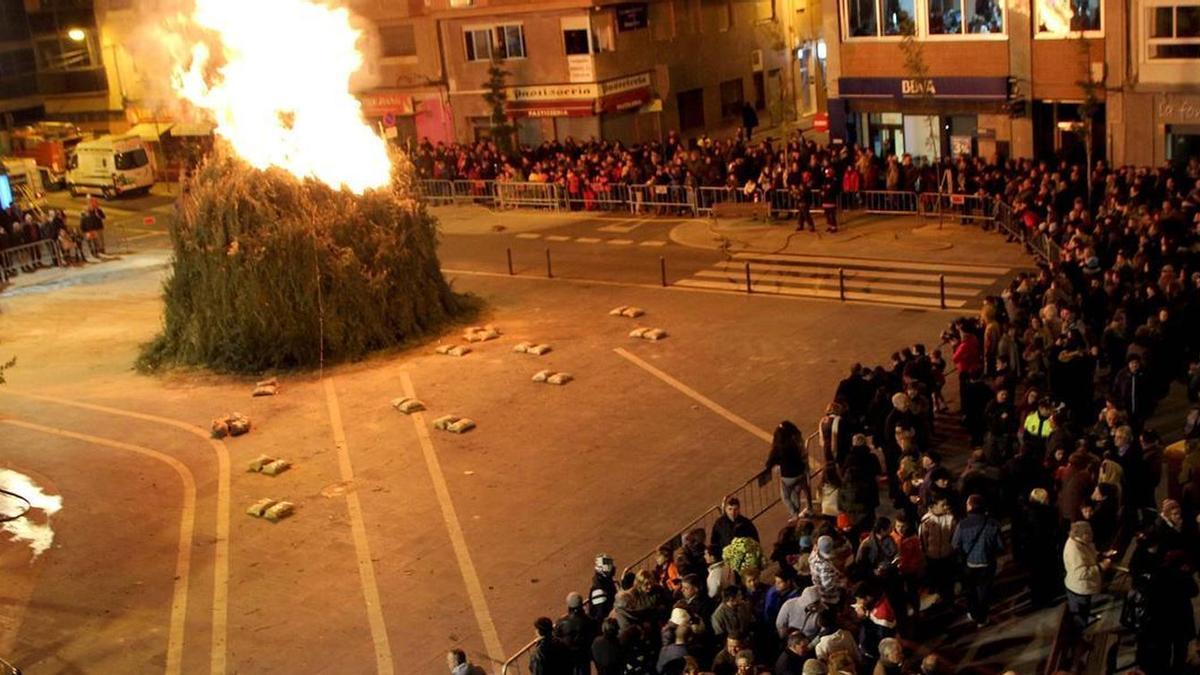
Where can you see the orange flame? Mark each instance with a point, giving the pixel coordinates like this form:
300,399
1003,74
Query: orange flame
275,77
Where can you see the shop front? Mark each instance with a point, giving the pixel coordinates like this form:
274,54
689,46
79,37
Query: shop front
1178,120
929,118
608,109
405,117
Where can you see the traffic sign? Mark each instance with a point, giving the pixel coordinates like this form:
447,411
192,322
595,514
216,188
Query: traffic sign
821,122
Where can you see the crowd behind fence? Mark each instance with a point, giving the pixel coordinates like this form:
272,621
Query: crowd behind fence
680,200
757,495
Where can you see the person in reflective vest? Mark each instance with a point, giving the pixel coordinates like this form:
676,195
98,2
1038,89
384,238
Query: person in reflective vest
1038,426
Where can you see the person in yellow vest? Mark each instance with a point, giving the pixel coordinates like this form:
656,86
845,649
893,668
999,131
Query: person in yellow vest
1037,427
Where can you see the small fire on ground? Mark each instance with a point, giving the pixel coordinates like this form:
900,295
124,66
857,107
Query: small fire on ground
274,75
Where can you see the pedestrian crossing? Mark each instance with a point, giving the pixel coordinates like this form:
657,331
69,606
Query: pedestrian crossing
893,282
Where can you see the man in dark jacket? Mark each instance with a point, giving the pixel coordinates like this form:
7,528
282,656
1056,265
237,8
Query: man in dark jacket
977,542
731,525
791,660
1131,391
549,657
576,630
749,120
606,650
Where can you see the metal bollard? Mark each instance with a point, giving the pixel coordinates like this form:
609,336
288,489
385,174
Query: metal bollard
749,288
942,288
842,283
508,251
549,269
662,269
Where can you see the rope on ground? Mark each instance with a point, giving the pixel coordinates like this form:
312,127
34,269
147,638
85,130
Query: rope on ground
28,506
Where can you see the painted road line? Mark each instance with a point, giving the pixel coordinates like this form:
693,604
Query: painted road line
588,240
694,395
875,262
619,242
483,616
652,243
831,281
187,527
854,271
832,294
556,237
528,235
362,549
146,235
624,226
220,611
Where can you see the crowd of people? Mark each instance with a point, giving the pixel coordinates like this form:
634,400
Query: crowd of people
20,227
888,543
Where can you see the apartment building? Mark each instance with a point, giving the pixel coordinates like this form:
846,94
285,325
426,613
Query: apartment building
52,64
1154,114
996,77
590,68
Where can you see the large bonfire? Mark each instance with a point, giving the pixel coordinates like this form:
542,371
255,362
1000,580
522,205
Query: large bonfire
298,240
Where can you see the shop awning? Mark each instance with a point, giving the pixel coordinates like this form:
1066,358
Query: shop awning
565,108
183,129
626,100
151,132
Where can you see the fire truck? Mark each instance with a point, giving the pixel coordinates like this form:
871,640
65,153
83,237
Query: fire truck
49,144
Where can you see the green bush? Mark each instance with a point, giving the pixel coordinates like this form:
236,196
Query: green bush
272,272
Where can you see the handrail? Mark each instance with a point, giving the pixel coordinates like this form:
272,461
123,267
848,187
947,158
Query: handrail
512,660
1058,649
678,536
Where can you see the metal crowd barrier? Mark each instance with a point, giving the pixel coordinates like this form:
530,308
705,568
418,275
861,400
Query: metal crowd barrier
601,197
887,201
786,203
966,208
482,192
547,196
756,496
437,192
663,199
43,253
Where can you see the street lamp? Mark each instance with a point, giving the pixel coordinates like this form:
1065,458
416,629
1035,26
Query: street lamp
76,35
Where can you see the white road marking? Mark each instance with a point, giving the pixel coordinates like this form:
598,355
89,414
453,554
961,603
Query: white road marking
652,243
695,395
358,530
187,526
483,616
528,235
220,610
620,242
556,237
587,240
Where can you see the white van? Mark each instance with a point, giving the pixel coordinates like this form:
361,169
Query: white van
110,166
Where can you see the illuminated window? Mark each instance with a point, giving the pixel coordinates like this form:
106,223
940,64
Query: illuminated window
961,17
506,42
1062,17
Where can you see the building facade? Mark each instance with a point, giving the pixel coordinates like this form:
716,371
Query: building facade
1154,113
585,68
1013,78
52,64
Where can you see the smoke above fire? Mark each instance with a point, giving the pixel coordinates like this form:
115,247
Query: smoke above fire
274,77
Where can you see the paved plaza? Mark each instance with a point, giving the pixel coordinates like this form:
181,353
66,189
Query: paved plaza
406,540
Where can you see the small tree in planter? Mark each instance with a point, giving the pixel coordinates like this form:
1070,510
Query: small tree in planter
496,97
